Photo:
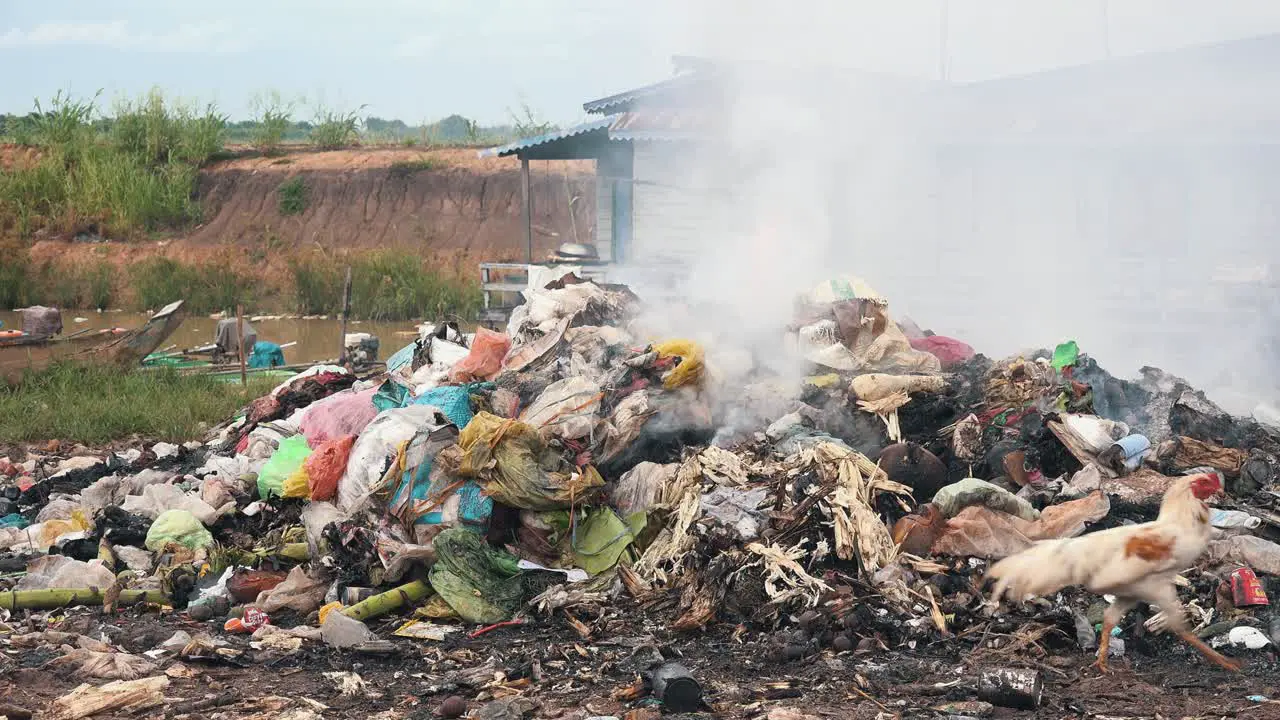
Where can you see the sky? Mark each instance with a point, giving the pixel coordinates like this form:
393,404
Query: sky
425,59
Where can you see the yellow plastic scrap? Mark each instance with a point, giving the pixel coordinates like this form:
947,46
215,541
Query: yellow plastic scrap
689,371
515,468
823,381
298,484
324,611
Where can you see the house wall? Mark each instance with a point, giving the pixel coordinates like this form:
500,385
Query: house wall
670,208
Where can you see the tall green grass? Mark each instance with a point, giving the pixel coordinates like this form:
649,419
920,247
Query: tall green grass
81,286
385,285
98,404
334,129
137,176
206,288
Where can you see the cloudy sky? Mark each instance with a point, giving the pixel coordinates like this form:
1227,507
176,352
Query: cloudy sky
423,59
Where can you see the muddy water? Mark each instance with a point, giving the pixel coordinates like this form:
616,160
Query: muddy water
316,339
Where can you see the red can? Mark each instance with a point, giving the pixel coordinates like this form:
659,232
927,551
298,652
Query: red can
1246,589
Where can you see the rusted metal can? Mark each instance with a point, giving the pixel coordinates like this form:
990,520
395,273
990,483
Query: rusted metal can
1011,687
1246,589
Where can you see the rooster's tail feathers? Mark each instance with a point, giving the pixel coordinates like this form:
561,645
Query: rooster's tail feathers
1040,570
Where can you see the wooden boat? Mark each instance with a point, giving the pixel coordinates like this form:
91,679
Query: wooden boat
120,347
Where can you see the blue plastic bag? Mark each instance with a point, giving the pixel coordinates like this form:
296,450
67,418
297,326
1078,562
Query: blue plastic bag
266,355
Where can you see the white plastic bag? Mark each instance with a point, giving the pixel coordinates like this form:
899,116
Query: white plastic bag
379,442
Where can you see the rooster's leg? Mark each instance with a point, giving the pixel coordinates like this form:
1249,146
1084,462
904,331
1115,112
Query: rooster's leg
1167,600
1111,617
1214,656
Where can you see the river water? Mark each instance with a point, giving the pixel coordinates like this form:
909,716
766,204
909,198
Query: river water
316,339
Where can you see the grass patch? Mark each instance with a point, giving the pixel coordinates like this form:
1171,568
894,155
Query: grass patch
273,118
405,168
83,286
99,404
333,130
128,174
293,196
385,285
211,287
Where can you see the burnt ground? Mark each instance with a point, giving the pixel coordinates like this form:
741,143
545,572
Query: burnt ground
561,674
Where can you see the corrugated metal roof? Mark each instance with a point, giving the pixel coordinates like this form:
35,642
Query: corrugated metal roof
614,102
528,143
660,124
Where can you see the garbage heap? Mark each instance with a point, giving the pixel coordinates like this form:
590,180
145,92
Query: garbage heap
573,464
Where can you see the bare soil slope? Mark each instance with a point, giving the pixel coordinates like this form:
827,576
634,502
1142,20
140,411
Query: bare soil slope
447,201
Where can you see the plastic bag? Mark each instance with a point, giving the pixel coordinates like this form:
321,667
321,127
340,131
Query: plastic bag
59,571
342,632
179,527
326,465
298,592
379,442
983,532
485,359
599,540
689,371
481,583
949,351
517,469
566,409
878,386
155,500
266,355
339,415
390,395
971,491
452,400
316,516
298,484
288,457
640,488
422,488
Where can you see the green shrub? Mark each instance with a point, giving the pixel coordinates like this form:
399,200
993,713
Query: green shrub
293,196
317,283
396,285
333,130
33,197
405,168
207,288
273,116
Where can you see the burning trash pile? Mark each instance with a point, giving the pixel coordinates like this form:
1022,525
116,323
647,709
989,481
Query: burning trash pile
573,471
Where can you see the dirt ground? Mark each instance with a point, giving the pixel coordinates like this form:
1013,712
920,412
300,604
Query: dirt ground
554,673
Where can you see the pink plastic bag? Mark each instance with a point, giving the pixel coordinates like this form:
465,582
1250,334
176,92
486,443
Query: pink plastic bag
485,359
338,416
949,351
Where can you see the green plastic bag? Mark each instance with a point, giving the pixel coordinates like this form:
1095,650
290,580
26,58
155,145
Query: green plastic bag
1065,355
481,583
179,527
288,457
600,539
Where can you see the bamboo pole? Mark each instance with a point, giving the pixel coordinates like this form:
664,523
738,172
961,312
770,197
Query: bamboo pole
50,599
526,210
393,599
346,312
244,378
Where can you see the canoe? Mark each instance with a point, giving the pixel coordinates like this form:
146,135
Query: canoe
124,348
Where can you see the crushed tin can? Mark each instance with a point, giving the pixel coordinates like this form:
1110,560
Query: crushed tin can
1246,589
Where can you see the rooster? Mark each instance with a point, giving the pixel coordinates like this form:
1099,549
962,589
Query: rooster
1135,563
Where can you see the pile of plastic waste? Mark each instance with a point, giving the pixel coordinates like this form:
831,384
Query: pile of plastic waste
572,464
